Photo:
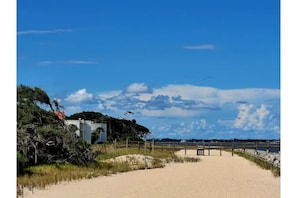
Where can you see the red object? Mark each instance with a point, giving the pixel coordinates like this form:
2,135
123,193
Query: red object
61,115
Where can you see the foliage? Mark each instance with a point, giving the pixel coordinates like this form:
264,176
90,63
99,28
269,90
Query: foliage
42,138
43,175
119,129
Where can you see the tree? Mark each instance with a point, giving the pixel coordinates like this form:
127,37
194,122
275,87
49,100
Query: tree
42,138
119,129
95,135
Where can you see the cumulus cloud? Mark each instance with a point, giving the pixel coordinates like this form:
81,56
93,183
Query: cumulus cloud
192,104
79,96
159,102
187,98
186,129
251,118
137,88
109,94
197,125
123,102
233,110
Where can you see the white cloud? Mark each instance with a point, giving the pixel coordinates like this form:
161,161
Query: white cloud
73,62
169,112
225,123
174,100
250,95
200,47
163,128
79,97
187,129
210,95
137,88
251,118
203,110
101,106
25,32
109,94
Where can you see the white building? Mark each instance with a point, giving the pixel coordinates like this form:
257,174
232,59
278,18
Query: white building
85,128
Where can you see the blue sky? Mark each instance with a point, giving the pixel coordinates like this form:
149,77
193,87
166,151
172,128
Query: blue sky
186,69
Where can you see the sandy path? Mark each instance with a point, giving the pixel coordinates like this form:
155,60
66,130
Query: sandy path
217,176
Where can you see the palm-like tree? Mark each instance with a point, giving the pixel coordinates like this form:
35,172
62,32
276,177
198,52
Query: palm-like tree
96,134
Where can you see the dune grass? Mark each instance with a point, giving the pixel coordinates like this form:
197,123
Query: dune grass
262,163
42,176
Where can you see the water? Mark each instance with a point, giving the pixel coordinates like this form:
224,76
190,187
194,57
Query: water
272,150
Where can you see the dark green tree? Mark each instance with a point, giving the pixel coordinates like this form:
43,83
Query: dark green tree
42,138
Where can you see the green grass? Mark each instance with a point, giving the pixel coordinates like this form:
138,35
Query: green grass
44,175
107,151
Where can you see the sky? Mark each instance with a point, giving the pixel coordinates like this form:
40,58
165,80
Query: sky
185,69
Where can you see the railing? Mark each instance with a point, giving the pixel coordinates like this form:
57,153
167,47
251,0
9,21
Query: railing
221,145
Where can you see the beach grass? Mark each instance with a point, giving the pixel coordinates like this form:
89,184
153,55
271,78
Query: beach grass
260,162
41,176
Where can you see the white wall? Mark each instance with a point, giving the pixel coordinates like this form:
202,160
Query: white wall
86,127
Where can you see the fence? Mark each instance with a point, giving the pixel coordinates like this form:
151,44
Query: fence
218,145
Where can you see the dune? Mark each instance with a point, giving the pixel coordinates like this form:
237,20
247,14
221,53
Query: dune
215,176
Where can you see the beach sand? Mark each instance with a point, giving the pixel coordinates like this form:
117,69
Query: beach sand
215,176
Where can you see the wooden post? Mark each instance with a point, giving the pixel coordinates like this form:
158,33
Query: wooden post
232,148
185,150
138,145
153,147
115,148
145,166
127,146
268,148
220,149
256,148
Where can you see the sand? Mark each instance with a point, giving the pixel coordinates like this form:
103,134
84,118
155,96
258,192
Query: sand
216,176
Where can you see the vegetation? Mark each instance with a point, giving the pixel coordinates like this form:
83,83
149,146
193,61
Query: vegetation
48,151
262,163
41,176
43,137
119,129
